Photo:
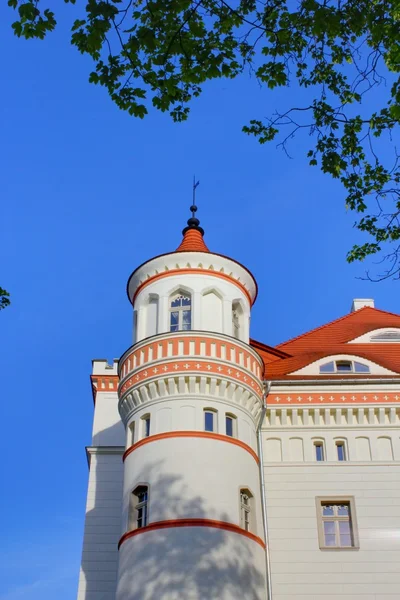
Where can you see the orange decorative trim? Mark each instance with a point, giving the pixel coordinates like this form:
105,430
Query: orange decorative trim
194,270
188,367
307,399
191,434
192,523
103,383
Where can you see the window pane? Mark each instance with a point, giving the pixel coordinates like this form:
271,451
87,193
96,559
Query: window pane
360,368
344,527
327,510
319,452
209,421
147,427
344,365
174,318
329,527
327,368
343,510
176,302
185,301
340,451
330,540
229,426
345,540
186,319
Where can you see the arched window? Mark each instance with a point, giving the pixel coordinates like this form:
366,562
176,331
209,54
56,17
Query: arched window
210,419
343,366
246,509
145,426
139,507
237,318
180,312
230,425
319,450
341,450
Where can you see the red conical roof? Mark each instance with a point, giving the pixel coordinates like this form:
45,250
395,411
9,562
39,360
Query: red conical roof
192,241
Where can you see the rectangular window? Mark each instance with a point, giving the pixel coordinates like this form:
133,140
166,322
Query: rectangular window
319,451
336,523
341,451
246,501
141,507
208,420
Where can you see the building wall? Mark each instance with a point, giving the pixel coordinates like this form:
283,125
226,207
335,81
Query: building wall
98,573
300,569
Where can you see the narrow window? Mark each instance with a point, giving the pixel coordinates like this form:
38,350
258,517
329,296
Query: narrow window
230,425
341,451
237,318
209,420
146,425
246,509
336,523
319,451
180,312
131,434
138,510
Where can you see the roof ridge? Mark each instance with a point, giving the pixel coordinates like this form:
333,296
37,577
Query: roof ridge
346,316
267,348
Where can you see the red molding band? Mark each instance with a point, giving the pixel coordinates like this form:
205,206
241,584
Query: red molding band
195,271
192,523
191,434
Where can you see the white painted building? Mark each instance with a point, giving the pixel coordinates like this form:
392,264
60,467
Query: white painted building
224,468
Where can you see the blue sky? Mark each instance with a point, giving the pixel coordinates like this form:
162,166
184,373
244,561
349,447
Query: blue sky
88,194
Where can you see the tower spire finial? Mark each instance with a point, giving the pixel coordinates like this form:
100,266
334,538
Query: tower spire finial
193,222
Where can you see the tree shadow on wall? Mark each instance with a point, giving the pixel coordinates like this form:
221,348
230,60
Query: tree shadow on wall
187,563
177,563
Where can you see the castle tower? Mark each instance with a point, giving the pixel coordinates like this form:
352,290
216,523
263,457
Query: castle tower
191,398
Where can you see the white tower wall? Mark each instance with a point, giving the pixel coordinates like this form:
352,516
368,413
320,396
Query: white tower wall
196,543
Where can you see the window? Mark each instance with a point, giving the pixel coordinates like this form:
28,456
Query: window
130,438
246,509
180,312
230,425
319,451
343,366
210,418
336,523
237,318
146,426
386,336
138,509
341,450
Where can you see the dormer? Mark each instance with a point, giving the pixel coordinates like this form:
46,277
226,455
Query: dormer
385,335
343,365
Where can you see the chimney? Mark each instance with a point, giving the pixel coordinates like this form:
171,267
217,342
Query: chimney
361,302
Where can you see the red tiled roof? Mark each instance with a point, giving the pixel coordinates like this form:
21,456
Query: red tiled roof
341,330
331,339
192,242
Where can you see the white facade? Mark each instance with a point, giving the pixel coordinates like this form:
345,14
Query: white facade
198,490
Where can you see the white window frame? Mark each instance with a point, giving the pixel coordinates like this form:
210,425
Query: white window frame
337,371
136,506
345,453
130,434
337,500
146,419
247,520
180,310
320,443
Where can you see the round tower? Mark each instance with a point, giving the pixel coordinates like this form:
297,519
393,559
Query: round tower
190,396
